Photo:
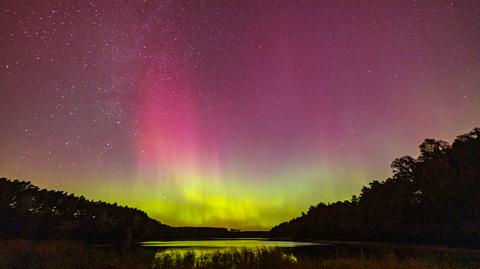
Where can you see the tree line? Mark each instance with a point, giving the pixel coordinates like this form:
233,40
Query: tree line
434,198
26,211
29,212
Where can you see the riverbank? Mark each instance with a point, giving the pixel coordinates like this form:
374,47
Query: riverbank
65,254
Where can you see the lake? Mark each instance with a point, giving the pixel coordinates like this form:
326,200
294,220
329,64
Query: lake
320,250
200,247
228,243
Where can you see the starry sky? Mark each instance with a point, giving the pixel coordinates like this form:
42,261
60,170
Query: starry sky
237,114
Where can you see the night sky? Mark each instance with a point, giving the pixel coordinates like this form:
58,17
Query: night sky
236,114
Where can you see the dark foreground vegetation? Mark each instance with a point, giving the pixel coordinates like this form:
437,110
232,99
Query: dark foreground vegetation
23,254
434,198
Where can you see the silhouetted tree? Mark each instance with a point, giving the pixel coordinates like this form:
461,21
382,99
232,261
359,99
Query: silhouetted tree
29,212
434,198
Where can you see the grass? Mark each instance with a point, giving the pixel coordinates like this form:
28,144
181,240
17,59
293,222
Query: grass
275,258
24,254
231,258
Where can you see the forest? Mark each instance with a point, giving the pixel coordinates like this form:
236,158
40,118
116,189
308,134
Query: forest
30,212
431,199
434,198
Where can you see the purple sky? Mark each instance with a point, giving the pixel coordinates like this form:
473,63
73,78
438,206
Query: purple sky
234,113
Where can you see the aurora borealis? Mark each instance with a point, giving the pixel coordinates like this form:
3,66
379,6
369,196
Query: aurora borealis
237,114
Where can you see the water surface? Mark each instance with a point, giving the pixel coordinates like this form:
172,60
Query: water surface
227,243
318,250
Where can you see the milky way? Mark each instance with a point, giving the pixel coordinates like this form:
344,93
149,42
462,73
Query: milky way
237,114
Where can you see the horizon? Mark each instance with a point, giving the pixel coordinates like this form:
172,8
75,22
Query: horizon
261,229
232,115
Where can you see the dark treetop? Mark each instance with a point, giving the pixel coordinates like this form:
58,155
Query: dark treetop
432,199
